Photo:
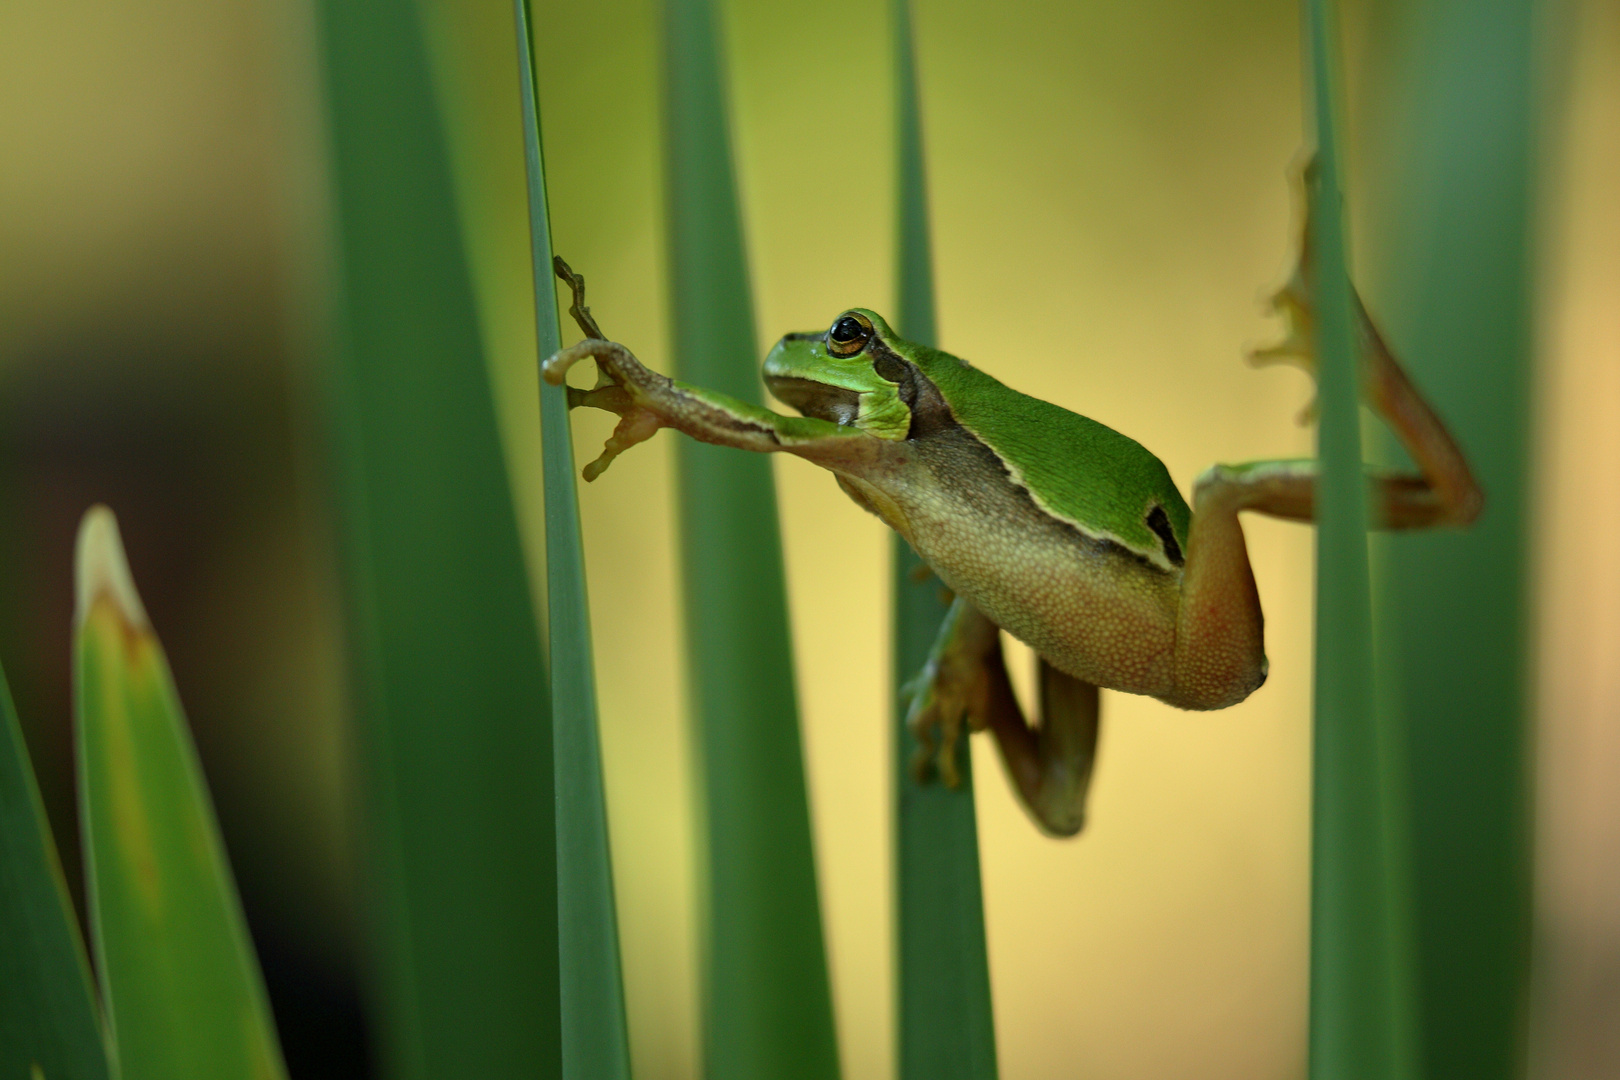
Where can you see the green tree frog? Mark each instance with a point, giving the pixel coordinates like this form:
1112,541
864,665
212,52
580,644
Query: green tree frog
1067,534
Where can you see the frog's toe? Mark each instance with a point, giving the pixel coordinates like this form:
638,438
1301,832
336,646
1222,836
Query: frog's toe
934,720
1293,349
1296,347
635,426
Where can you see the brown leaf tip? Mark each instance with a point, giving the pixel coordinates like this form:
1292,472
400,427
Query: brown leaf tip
101,570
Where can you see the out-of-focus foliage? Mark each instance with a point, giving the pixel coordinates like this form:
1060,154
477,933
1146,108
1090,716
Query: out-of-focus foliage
1455,231
945,1024
179,981
48,1020
767,1003
450,683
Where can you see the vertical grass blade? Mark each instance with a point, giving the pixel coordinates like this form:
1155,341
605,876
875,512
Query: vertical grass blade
183,996
48,1018
1453,605
451,683
1360,1025
595,1043
767,1004
946,1030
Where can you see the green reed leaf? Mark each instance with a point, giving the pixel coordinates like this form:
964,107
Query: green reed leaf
1360,958
181,986
1455,291
767,1004
454,704
946,1028
48,1018
595,1041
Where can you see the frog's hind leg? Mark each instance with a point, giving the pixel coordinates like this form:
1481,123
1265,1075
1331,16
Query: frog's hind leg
1442,492
1050,765
965,680
1219,652
1219,655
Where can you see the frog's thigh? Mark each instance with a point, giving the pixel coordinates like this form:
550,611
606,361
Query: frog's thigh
1220,656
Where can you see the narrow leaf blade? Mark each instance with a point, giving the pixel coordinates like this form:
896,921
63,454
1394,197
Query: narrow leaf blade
595,1038
454,702
181,986
947,1030
767,1002
1360,958
48,1018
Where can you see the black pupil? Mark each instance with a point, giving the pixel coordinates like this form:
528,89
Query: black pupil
846,329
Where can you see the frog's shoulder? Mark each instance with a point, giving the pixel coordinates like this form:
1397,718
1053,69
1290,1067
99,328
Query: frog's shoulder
1104,483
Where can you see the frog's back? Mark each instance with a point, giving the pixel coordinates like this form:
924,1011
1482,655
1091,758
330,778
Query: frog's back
1084,473
1062,531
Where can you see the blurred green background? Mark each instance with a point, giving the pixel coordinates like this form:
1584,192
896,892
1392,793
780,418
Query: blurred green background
1109,206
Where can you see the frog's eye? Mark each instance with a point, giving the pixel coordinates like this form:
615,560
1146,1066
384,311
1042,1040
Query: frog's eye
849,334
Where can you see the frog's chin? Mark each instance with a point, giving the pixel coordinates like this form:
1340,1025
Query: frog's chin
815,399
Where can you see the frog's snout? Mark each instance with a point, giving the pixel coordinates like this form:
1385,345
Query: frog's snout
791,355
775,365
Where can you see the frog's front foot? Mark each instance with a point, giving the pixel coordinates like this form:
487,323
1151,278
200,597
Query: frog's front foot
622,381
621,390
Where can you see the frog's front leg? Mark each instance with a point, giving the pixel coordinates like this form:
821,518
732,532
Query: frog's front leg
646,401
965,681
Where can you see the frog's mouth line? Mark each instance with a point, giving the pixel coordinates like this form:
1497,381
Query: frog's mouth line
815,399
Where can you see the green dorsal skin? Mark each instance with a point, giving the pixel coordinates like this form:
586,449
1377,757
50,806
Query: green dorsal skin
1102,482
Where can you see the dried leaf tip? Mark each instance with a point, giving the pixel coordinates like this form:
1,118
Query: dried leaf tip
100,568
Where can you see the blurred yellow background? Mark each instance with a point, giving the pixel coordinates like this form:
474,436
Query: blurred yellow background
1109,208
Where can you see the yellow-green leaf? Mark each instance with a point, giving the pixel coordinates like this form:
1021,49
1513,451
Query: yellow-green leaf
181,988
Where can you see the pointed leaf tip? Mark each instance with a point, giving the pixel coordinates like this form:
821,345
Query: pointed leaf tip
100,568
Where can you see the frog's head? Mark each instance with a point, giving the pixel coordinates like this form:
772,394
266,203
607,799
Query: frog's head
850,373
